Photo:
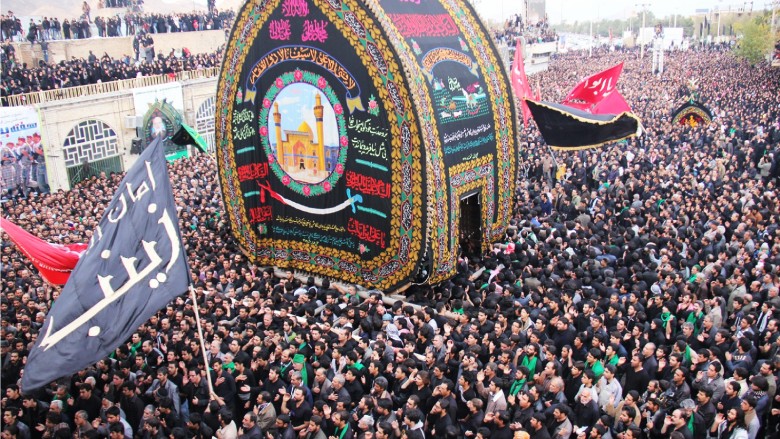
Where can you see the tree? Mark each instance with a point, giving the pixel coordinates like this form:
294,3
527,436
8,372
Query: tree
756,40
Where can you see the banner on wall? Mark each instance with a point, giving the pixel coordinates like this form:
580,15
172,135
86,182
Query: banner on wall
163,120
20,135
145,97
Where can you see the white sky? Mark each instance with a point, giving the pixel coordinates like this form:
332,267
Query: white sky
584,10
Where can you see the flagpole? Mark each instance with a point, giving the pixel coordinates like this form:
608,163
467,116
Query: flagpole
200,337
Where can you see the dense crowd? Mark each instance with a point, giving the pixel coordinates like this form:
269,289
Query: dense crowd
634,296
20,78
130,23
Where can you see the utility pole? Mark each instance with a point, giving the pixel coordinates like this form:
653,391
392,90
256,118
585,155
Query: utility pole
719,14
590,46
644,7
642,51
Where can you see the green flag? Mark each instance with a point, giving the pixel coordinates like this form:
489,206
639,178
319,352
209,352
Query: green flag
188,136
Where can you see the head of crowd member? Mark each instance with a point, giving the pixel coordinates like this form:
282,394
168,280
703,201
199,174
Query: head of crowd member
679,377
249,421
597,432
384,430
713,370
678,418
749,403
759,383
117,431
704,395
340,419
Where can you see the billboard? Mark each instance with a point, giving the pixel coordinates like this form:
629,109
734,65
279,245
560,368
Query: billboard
22,149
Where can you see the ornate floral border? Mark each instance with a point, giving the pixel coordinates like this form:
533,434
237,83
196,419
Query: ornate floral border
303,77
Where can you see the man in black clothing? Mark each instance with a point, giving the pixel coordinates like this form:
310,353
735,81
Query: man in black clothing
536,427
677,422
197,429
296,406
88,401
342,429
132,405
249,428
439,418
649,362
353,386
574,382
637,377
501,422
705,406
196,391
586,411
33,413
224,383
473,421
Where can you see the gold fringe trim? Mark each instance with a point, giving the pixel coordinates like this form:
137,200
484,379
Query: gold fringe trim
582,119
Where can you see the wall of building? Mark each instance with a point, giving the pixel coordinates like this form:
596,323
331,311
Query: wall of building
59,118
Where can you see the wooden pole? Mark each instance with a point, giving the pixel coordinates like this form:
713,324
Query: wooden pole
200,337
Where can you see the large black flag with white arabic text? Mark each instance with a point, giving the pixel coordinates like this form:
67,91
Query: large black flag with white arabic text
134,266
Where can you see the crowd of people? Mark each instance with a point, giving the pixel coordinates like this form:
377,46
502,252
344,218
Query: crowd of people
19,78
635,296
130,23
515,27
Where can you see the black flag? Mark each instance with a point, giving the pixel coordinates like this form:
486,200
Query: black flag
134,266
567,128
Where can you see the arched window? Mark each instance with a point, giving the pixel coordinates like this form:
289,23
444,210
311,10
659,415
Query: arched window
204,122
90,148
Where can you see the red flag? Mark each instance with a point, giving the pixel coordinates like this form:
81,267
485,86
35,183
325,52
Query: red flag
54,261
520,84
594,88
613,103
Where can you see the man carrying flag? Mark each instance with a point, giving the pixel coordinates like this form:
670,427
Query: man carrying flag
520,85
134,266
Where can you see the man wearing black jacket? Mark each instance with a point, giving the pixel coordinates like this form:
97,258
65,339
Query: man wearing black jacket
131,404
197,391
536,427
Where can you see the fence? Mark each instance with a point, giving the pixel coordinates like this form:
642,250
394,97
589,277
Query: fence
93,169
105,87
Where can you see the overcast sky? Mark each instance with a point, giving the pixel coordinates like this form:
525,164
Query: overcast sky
583,10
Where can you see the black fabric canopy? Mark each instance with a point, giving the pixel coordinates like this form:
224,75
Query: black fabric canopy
567,128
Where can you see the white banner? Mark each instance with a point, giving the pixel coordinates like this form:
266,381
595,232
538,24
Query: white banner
18,122
146,96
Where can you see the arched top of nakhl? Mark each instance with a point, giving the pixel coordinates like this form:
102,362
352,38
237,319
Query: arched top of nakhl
348,132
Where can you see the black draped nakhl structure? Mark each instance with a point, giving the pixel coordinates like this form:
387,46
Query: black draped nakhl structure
692,113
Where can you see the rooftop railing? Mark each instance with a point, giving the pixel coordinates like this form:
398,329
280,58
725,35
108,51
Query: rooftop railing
82,91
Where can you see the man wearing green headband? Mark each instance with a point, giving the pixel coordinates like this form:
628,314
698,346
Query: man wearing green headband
300,365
